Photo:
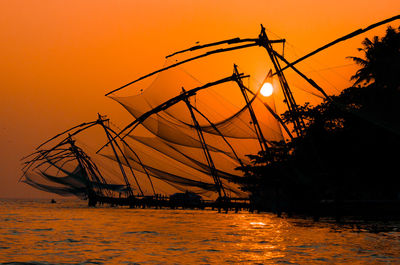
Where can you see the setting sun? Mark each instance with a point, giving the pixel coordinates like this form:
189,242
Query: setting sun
267,89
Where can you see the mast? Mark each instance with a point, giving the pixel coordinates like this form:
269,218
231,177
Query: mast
137,157
207,154
113,143
220,134
256,125
90,191
289,99
168,104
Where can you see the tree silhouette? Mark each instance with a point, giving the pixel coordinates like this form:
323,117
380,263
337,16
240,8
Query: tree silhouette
382,61
347,152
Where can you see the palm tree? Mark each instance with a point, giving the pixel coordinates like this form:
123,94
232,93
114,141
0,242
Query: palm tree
382,61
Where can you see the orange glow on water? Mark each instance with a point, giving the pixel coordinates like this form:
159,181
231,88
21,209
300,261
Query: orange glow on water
69,232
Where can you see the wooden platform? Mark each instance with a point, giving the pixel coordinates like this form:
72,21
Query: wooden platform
158,202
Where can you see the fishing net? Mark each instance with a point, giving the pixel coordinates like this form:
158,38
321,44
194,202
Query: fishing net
231,118
183,177
68,171
187,146
172,149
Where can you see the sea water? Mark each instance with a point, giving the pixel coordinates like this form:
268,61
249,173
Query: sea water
69,232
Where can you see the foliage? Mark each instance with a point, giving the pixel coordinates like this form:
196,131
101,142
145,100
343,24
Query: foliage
382,60
347,149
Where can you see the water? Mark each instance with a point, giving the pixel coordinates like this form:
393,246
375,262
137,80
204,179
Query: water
38,232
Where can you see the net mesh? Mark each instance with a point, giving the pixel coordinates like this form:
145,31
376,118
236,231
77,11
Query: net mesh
174,152
171,148
69,171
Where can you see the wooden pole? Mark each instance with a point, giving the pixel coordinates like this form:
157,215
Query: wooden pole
112,142
139,160
345,37
289,99
220,134
207,154
182,62
256,125
168,104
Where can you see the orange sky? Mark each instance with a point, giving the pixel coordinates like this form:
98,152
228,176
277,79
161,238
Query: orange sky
59,58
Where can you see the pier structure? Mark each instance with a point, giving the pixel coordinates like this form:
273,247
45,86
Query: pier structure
159,201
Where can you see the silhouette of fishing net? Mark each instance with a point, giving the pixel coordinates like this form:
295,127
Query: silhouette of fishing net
171,154
231,117
109,167
187,176
172,134
58,171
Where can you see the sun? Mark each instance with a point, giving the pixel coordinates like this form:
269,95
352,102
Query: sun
267,89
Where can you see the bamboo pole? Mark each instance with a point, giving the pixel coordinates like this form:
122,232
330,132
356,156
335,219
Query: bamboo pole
345,37
256,125
220,134
64,132
140,162
198,47
168,104
112,143
272,112
289,99
207,154
182,62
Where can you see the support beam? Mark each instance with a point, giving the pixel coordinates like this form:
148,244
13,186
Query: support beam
139,160
289,99
256,125
345,37
207,154
113,143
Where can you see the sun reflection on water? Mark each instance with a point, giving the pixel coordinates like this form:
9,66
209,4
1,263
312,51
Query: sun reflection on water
71,233
257,223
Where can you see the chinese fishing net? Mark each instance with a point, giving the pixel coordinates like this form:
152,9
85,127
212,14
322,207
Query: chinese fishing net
171,148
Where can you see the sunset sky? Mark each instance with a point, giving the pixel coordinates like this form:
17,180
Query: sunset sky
59,58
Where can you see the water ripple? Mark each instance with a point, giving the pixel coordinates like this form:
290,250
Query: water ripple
38,233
